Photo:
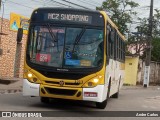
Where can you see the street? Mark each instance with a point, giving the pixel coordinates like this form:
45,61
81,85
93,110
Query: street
130,99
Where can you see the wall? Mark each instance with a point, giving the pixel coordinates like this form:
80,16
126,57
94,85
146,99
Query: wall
10,55
131,69
154,72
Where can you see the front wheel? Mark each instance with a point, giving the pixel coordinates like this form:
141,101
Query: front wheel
101,105
44,99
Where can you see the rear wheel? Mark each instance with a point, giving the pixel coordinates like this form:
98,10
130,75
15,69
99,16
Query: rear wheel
116,95
44,99
102,105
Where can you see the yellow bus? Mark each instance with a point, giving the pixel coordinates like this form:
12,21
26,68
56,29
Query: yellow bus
73,54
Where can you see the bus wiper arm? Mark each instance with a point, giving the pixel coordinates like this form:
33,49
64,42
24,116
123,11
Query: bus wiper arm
54,37
78,37
51,33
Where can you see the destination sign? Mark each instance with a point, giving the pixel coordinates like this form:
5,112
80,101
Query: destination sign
69,17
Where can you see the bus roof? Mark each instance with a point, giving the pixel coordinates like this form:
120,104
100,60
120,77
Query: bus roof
66,9
68,16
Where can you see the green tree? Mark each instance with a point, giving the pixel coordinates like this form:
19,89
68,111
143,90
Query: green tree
120,12
156,24
155,53
142,40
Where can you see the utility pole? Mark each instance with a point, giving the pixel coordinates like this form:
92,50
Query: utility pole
0,3
148,52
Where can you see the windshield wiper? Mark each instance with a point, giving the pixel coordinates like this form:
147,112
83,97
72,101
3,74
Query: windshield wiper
54,37
51,33
78,37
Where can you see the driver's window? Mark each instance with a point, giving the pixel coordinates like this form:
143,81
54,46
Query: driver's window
110,42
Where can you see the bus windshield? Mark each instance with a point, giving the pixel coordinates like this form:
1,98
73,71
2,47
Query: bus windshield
65,47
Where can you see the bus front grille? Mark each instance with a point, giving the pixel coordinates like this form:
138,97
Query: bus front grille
56,91
57,83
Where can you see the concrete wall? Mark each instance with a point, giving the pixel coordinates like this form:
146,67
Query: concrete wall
131,65
154,72
12,58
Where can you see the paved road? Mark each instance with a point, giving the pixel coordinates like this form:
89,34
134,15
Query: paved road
130,99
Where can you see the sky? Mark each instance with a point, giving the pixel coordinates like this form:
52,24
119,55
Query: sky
25,7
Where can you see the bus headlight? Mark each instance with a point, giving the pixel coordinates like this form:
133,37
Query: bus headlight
93,82
30,75
32,78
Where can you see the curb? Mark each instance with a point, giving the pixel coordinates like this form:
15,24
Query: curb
7,81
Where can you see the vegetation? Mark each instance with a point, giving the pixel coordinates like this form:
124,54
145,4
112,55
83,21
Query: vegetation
142,37
120,12
155,53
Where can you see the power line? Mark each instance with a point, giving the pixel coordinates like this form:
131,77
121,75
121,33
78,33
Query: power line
87,3
19,4
61,3
76,4
93,1
51,2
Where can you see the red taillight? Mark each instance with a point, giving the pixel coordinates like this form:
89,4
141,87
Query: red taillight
90,94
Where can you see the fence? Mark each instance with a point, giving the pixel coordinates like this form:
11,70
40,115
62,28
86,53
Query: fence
154,72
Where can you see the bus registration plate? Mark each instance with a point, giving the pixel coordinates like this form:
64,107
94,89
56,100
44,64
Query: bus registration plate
90,94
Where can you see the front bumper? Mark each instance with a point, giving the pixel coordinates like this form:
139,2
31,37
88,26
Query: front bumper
32,89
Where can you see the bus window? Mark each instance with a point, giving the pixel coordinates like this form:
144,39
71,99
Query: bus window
110,41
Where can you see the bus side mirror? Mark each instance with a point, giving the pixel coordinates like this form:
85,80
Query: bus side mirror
19,35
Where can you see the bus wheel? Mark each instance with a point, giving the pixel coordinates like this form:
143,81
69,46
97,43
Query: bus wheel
44,99
102,105
116,95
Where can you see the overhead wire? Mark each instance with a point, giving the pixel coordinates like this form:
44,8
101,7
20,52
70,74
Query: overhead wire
20,4
59,4
87,3
93,2
76,4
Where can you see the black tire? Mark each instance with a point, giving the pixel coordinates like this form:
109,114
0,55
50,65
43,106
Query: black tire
116,95
102,105
45,100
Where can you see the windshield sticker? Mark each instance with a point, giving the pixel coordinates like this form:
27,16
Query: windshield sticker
87,55
85,63
54,30
43,57
68,55
72,62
